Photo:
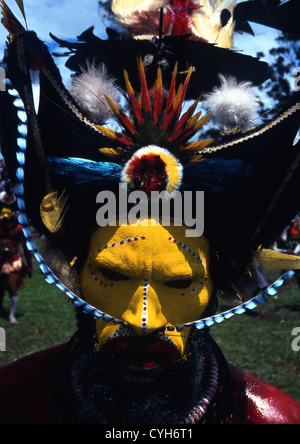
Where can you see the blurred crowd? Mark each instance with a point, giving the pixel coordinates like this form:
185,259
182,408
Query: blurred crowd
15,258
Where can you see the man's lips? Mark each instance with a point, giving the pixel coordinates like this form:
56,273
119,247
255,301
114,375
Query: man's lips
146,364
142,354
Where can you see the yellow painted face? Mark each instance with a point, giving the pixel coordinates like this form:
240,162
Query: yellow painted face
151,277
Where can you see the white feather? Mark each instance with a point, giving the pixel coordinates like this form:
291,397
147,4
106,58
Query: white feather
207,22
88,90
233,104
125,9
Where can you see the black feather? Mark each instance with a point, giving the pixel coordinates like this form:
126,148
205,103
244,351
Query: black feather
208,60
271,13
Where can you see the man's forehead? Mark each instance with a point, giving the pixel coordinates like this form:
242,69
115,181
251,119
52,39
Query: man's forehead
149,248
147,237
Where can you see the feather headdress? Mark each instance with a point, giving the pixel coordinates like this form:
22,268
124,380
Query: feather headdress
208,20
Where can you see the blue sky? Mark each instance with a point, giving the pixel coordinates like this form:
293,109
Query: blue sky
64,18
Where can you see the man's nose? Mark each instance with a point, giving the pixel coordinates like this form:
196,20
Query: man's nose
144,312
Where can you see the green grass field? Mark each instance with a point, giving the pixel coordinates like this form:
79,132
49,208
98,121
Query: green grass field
259,343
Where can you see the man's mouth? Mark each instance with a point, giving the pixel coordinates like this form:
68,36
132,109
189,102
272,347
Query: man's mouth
141,360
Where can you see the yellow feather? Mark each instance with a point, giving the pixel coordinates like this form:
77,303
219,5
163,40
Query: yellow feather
202,121
272,260
52,209
111,152
198,146
207,22
129,88
111,134
193,120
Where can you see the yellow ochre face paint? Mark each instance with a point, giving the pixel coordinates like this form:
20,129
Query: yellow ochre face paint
150,277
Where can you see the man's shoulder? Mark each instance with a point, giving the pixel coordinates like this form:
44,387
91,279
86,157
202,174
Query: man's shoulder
257,402
27,385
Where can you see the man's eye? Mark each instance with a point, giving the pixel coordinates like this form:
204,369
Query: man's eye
179,283
112,275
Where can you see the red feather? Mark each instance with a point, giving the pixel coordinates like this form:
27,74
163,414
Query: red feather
134,102
146,103
178,17
158,98
178,102
172,90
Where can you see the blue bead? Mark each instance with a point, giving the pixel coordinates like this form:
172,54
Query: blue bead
20,158
97,314
170,328
38,257
23,130
228,314
50,279
250,305
70,294
27,233
278,283
179,328
18,103
13,92
78,302
19,189
21,204
31,246
22,219
20,174
45,269
22,116
87,309
60,286
208,322
239,310
219,318
271,291
288,274
199,325
22,143
260,299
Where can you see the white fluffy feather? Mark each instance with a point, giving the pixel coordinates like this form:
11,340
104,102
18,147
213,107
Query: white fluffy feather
233,104
88,90
123,9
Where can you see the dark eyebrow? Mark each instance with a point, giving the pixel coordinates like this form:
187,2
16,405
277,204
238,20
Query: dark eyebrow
113,275
179,283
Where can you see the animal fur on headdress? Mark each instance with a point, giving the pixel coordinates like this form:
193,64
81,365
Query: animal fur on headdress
233,104
89,90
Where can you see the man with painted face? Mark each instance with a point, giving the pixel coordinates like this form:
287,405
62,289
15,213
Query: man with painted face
134,366
153,279
145,295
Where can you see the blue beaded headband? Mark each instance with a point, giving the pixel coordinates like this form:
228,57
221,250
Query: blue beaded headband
52,279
